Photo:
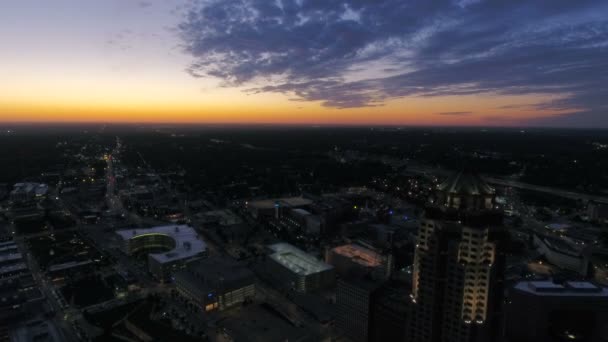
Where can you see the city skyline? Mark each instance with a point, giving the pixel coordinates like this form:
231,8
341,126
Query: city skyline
464,63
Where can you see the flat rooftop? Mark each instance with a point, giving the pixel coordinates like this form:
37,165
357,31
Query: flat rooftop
216,272
263,323
8,244
558,227
301,212
187,242
10,257
297,260
570,288
359,254
284,202
19,267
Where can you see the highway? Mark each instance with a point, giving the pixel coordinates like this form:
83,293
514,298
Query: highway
549,190
419,169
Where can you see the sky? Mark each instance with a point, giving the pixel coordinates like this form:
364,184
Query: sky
355,62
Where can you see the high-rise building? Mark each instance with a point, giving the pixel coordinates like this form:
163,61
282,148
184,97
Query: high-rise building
457,289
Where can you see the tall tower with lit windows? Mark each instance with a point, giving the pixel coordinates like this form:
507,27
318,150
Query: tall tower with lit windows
459,263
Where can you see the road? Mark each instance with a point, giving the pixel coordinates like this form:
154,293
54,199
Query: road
47,288
112,199
545,189
419,169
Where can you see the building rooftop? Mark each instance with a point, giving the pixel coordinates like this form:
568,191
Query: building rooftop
257,323
8,244
285,202
359,254
570,288
68,265
558,245
558,227
30,188
9,269
216,273
36,330
10,257
187,242
297,260
301,212
8,247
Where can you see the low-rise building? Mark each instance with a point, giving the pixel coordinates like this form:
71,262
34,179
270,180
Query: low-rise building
180,243
274,208
300,221
216,283
23,192
12,262
354,258
562,254
296,270
36,330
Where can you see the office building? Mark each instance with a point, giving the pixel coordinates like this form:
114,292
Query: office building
296,270
216,283
457,285
300,221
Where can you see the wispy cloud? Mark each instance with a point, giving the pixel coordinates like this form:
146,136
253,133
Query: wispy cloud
455,113
310,49
144,4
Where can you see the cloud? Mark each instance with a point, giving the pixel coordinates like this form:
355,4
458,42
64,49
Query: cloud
362,53
455,113
144,4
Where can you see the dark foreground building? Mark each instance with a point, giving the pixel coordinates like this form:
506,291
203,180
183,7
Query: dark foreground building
550,312
390,313
372,309
355,297
459,265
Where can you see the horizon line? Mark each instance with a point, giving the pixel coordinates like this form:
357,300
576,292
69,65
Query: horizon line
285,125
